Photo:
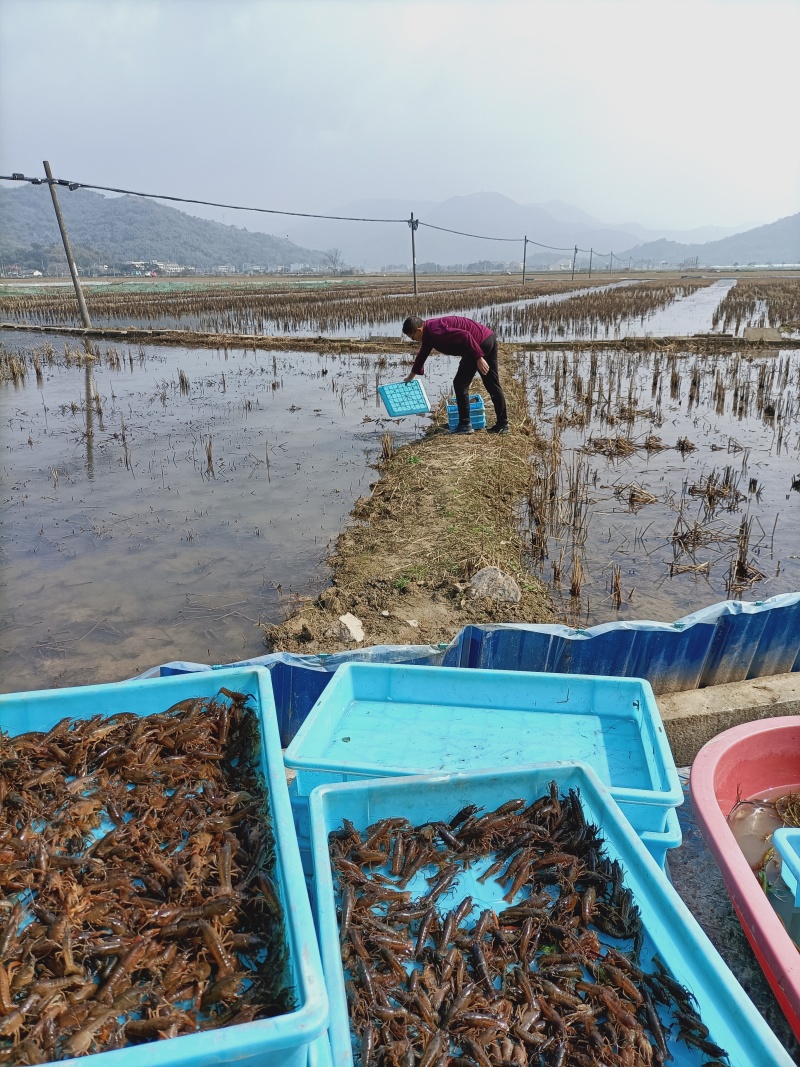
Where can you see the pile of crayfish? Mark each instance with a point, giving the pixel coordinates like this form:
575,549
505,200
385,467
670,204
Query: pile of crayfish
554,978
137,872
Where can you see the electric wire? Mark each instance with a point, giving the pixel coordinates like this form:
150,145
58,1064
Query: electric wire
72,186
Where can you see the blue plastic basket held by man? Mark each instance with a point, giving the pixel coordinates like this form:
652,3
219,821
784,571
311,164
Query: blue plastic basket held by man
476,344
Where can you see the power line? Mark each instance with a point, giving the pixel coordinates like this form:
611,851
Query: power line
553,248
72,186
188,200
478,236
481,237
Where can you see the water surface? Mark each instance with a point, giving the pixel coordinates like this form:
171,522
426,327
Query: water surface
123,546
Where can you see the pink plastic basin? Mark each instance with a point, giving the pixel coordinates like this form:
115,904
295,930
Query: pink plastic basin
746,761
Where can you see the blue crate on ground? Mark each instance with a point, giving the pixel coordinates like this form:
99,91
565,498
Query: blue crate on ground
405,398
302,823
319,1052
477,412
670,931
787,843
377,720
288,1040
658,844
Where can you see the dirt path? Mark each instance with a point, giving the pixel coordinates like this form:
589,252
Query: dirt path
443,508
701,342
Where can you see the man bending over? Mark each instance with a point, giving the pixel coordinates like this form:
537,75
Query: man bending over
477,346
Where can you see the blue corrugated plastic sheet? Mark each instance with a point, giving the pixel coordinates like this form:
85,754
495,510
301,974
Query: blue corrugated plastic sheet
726,642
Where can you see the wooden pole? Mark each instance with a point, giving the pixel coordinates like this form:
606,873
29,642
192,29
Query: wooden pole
574,257
524,257
413,223
591,253
87,322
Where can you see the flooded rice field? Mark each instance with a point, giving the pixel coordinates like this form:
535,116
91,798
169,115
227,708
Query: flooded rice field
543,309
161,503
667,482
167,503
627,310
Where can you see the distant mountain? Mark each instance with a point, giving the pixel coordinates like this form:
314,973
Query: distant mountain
569,213
777,242
374,245
698,235
121,229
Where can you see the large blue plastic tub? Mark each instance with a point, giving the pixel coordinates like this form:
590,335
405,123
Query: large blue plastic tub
379,720
657,844
670,930
286,1040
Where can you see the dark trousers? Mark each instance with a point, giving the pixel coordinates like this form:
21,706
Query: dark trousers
467,369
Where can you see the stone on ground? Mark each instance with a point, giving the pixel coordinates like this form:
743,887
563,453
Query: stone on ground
351,628
493,583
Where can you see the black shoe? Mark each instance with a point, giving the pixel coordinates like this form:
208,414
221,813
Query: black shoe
465,427
498,429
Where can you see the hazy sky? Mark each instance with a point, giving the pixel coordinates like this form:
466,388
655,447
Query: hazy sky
669,113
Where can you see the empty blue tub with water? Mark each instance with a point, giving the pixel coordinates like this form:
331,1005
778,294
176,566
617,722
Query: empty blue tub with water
378,720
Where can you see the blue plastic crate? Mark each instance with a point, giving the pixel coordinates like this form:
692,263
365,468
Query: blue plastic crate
405,398
302,822
477,412
659,844
670,931
283,1041
656,843
377,720
319,1052
787,844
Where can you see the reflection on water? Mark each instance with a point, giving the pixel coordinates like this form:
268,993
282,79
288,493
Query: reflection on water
143,524
89,403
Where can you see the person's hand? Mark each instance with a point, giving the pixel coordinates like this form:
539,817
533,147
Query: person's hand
410,377
483,366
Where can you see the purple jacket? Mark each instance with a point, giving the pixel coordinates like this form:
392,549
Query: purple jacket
454,336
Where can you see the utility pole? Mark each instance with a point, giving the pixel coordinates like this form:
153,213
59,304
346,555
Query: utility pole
610,262
591,253
413,223
524,257
87,322
574,257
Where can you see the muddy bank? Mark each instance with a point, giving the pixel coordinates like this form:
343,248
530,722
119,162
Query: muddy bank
441,509
703,342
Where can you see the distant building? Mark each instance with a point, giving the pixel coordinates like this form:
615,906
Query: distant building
226,269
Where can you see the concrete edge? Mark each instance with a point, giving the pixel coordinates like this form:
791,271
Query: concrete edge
692,718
